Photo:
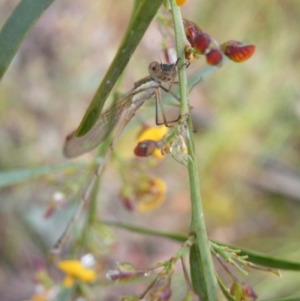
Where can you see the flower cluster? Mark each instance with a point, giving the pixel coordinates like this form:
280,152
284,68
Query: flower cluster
203,43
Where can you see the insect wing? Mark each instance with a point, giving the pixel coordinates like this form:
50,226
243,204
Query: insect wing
75,146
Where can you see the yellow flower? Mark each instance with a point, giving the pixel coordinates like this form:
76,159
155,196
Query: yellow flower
155,134
74,269
152,196
180,2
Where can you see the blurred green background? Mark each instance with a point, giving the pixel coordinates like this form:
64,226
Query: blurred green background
248,128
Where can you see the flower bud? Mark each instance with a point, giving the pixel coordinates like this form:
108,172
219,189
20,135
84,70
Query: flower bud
145,148
242,292
180,2
214,57
237,52
148,139
202,42
192,31
124,272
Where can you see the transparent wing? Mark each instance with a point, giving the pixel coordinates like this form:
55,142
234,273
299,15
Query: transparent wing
76,146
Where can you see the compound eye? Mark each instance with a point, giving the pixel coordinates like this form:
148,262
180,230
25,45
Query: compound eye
153,68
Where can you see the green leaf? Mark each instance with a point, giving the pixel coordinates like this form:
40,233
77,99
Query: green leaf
146,231
267,261
17,176
197,276
144,12
17,27
255,257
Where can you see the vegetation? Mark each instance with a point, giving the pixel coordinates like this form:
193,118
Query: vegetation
240,146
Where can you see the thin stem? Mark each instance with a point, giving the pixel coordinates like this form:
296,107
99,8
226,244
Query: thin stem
224,266
186,275
197,224
92,209
148,288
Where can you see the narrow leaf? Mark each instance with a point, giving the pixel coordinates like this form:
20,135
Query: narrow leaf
17,27
17,176
146,231
197,276
266,260
255,257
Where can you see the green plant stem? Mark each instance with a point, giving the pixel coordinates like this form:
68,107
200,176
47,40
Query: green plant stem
208,290
92,208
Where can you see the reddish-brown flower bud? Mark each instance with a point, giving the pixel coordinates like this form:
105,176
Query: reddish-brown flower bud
201,42
237,52
145,148
191,30
214,57
148,142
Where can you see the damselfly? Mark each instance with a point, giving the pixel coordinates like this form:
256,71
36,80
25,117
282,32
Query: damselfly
145,89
